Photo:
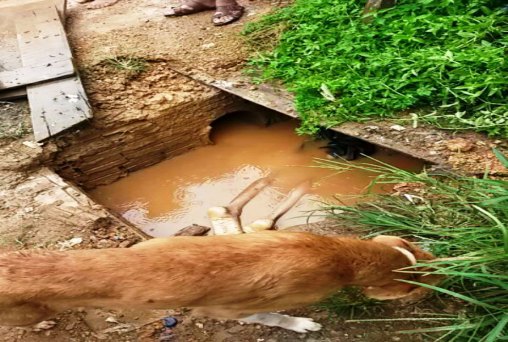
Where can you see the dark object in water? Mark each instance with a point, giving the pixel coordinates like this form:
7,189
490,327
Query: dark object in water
344,146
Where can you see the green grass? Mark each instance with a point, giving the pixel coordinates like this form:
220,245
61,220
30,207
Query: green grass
131,65
445,60
351,302
454,216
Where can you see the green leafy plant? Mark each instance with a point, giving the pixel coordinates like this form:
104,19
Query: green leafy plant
463,219
448,56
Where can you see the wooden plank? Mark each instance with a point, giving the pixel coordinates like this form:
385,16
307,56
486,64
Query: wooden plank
24,5
41,37
59,104
29,75
9,13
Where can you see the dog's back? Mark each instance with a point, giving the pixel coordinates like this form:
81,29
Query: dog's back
252,272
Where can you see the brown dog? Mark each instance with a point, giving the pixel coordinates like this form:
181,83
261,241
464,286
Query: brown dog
238,277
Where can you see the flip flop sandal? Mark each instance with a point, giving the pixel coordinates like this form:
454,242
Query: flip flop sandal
190,7
227,14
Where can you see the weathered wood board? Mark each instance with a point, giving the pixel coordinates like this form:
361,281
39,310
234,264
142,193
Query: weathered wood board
58,104
24,5
41,37
35,74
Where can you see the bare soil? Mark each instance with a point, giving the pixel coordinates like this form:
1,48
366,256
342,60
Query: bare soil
217,56
38,209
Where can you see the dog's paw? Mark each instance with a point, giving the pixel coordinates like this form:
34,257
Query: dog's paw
303,325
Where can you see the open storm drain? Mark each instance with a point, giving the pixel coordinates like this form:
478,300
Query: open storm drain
177,192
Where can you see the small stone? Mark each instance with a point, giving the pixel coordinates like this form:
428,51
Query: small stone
395,338
397,128
100,336
208,45
371,128
200,325
104,243
44,325
111,319
161,98
32,144
459,145
236,329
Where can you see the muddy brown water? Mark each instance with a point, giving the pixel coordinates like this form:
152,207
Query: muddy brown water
177,192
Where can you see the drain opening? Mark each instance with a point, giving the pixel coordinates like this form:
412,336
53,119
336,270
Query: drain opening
176,192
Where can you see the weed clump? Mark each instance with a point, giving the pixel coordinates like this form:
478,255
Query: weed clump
460,219
129,64
447,56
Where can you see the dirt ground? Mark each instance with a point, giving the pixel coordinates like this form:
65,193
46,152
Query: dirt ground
38,209
217,55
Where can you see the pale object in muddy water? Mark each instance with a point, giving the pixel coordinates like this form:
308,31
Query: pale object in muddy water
226,220
269,223
177,193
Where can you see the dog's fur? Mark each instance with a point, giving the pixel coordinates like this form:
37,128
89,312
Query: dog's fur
219,276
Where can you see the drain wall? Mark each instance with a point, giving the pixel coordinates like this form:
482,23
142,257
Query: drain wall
101,154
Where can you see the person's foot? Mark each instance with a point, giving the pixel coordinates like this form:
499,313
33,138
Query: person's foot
227,14
188,7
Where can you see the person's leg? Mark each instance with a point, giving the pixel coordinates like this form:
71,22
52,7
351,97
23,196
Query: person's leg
190,7
227,12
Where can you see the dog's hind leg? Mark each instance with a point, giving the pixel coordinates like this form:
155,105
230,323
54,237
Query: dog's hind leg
226,220
269,223
298,324
24,314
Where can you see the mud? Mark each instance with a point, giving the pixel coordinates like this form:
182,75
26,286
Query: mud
177,192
